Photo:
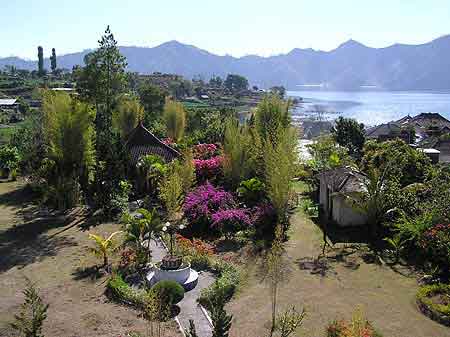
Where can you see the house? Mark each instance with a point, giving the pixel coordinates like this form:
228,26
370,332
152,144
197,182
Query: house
142,142
384,132
9,103
335,186
433,154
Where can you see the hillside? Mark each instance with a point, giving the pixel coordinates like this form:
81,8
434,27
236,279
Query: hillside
348,67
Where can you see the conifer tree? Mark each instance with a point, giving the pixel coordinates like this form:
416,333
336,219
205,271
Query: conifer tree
220,319
40,61
53,60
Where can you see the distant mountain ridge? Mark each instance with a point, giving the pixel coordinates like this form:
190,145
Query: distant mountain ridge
350,66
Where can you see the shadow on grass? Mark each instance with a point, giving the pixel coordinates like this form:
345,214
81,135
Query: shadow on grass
92,273
17,197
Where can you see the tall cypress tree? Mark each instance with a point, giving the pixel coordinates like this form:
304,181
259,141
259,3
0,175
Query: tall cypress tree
53,60
40,61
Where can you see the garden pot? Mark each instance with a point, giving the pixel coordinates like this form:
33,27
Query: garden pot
170,262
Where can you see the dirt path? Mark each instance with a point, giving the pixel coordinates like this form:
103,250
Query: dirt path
52,252
349,279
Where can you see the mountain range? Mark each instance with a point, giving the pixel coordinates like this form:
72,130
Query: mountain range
351,66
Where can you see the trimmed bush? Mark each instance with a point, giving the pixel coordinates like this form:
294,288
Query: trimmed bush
225,285
122,292
436,311
169,292
358,326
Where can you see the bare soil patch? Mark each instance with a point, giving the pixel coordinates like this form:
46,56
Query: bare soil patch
52,250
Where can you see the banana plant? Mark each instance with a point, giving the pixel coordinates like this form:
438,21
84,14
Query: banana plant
103,246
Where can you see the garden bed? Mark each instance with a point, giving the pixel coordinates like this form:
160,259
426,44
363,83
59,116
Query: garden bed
434,302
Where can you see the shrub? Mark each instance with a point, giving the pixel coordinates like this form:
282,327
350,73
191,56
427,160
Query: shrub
208,168
9,159
251,191
357,327
231,220
196,251
437,311
436,244
121,291
170,292
119,199
203,202
225,285
205,151
264,220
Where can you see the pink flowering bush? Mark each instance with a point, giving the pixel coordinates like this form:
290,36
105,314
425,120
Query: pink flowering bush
205,151
263,217
208,168
436,245
231,220
203,202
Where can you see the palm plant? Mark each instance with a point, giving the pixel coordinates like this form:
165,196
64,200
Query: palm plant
103,246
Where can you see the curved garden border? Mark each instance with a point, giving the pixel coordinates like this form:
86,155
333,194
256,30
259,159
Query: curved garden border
429,308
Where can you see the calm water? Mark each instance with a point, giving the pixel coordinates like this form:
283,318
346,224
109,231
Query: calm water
371,108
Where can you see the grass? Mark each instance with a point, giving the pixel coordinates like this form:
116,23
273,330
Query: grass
53,252
330,288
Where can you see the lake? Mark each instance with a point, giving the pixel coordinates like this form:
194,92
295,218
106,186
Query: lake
370,107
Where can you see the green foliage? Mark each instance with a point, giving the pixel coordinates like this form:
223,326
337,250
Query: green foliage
220,319
359,326
41,70
411,229
252,191
175,119
9,158
53,60
70,146
404,162
123,292
437,199
425,294
153,99
33,313
279,160
327,154
119,199
236,83
169,291
127,115
171,192
349,133
152,169
186,171
238,152
271,117
226,283
289,321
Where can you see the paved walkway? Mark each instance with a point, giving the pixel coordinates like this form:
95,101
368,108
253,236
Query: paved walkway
189,306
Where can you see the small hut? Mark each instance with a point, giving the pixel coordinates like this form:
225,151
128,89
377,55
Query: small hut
142,142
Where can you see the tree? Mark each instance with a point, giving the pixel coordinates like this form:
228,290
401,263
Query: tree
175,119
220,319
41,71
278,90
103,246
171,193
349,133
153,99
33,313
9,159
237,145
53,61
216,81
101,81
271,117
236,83
70,142
289,321
127,115
275,272
327,154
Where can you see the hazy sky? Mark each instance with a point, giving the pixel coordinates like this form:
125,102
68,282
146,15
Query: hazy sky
236,27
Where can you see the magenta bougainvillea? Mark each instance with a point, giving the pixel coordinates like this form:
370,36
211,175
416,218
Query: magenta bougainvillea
204,201
205,151
208,168
231,220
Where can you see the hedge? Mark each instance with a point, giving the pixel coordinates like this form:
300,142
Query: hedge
437,312
121,291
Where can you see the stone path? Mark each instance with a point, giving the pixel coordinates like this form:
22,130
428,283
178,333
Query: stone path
189,306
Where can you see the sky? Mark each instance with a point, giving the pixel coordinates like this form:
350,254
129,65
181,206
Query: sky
233,27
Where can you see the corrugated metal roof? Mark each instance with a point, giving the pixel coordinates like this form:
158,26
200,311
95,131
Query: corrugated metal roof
8,101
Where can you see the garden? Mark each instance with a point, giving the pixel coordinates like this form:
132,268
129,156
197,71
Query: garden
218,213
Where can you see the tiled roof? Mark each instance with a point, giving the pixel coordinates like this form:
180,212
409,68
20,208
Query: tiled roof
142,142
344,180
